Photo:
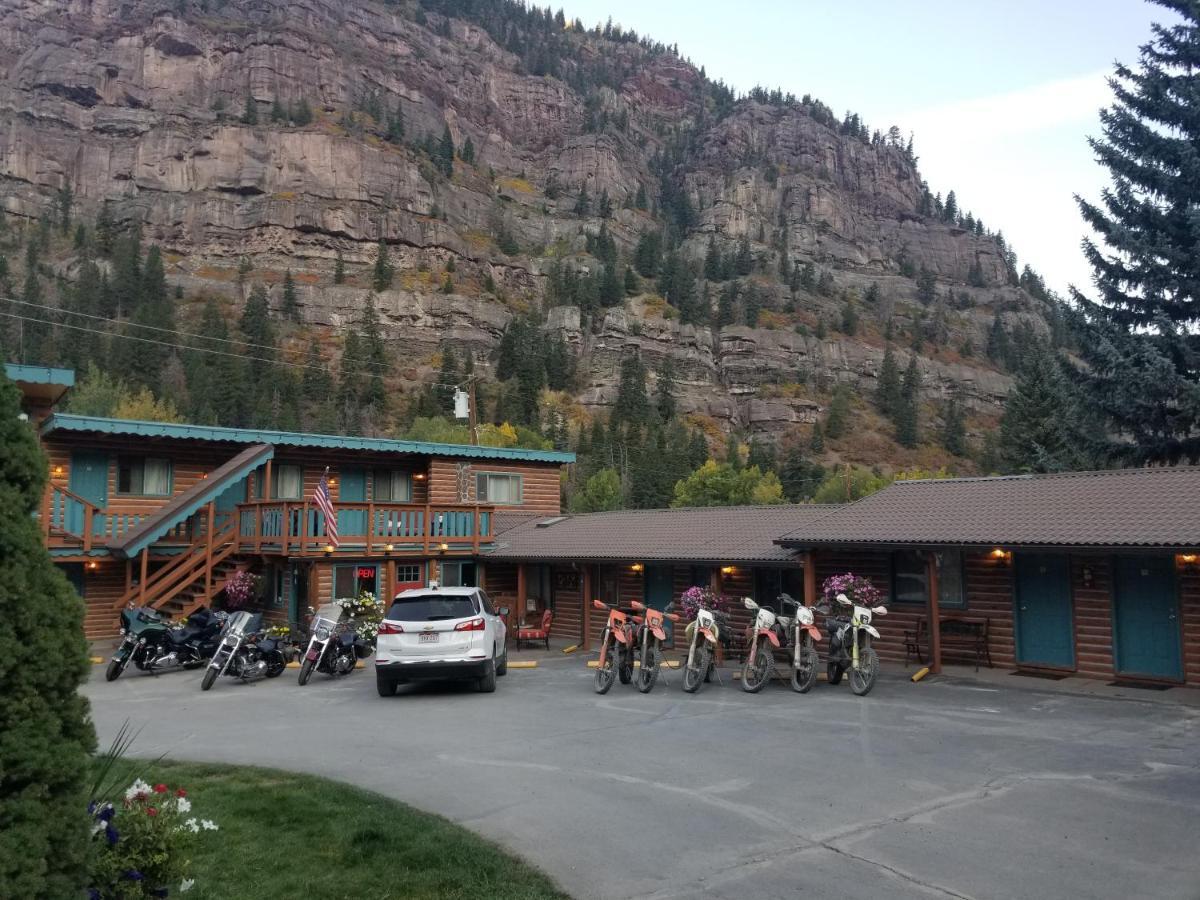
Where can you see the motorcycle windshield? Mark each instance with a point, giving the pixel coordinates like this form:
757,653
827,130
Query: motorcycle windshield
329,614
242,623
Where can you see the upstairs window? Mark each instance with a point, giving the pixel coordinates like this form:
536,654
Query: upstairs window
498,487
288,482
393,486
145,476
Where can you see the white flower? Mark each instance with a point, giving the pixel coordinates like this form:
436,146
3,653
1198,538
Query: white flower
186,885
191,825
208,824
138,787
183,804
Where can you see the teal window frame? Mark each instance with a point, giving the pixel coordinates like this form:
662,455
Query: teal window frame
126,459
481,494
354,567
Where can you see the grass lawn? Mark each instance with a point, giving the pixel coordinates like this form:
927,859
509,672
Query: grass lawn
286,836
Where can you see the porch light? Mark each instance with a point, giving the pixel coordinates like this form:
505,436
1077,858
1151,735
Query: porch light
726,570
444,547
328,549
333,482
1001,555
419,476
93,565
1187,559
388,548
58,470
637,567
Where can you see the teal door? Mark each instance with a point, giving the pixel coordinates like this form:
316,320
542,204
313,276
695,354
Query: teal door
1146,631
229,498
660,590
88,479
352,523
1044,627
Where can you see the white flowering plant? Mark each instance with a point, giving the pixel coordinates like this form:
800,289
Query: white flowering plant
367,611
142,843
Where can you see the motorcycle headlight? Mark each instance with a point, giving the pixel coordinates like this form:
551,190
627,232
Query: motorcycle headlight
122,632
322,634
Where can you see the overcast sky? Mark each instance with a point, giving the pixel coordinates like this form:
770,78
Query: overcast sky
1001,94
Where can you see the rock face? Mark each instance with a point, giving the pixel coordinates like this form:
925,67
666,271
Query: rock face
138,105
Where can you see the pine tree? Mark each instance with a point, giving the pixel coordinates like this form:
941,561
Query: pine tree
816,442
926,286
384,273
444,156
468,152
583,204
45,757
277,112
908,414
1041,429
725,305
317,388
837,418
631,405
302,113
639,201
339,269
752,305
712,261
291,305
350,379
797,474
373,395
631,282
664,391
250,111
954,430
744,261
1142,350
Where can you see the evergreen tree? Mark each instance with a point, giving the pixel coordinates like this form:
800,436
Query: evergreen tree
887,391
639,201
837,418
631,405
444,156
647,255
954,429
712,261
998,349
259,332
908,414
744,261
631,282
250,111
583,203
725,305
384,273
302,113
926,286
752,305
45,756
797,474
601,492
339,269
291,305
1041,429
468,152
664,391
1142,347
373,396
317,388
277,111
816,442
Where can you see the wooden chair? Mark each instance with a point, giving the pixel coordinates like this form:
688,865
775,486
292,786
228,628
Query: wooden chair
531,634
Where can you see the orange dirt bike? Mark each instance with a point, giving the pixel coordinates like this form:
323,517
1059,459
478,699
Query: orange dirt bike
771,632
616,649
651,636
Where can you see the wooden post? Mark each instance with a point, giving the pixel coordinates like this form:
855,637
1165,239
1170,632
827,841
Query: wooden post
475,528
428,527
587,606
267,491
935,636
258,510
370,524
208,550
522,592
389,581
810,578
128,576
142,583
716,581
87,527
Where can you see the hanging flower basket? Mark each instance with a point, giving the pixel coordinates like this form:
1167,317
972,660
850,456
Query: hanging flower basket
858,590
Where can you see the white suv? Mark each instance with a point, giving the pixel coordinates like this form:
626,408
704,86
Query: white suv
440,633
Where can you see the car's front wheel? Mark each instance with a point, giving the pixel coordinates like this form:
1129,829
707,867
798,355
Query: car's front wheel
487,683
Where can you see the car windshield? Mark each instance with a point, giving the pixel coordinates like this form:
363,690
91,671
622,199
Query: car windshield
432,607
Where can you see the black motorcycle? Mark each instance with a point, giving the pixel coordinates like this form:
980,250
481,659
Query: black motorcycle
246,652
151,642
333,646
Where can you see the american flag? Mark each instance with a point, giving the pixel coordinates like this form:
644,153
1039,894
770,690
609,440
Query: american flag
324,502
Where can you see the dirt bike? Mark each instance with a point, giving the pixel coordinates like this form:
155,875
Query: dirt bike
616,649
766,634
651,635
850,646
705,634
805,634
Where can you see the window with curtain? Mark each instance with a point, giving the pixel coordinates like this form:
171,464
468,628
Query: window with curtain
392,486
498,487
289,483
147,476
910,582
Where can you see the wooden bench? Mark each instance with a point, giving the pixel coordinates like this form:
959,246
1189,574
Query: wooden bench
965,637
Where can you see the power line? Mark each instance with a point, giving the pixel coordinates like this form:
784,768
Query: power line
184,347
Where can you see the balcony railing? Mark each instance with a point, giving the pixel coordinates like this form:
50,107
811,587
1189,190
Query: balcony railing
273,526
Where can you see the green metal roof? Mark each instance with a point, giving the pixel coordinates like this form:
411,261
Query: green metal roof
98,425
40,374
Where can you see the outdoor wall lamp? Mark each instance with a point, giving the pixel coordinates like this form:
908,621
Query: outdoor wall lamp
419,476
444,547
388,548
637,567
93,565
1001,555
726,570
1187,560
333,482
329,549
58,470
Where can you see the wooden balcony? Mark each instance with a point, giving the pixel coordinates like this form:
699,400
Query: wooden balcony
73,522
297,528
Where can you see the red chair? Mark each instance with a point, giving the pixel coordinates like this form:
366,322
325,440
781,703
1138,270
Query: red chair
528,634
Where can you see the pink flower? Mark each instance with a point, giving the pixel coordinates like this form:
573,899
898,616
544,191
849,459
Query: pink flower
181,793
160,789
151,811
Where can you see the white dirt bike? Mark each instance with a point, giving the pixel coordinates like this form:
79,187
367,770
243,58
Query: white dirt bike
850,646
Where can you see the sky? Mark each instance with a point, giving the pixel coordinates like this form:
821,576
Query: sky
1001,95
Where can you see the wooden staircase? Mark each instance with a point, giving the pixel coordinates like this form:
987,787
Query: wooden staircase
191,579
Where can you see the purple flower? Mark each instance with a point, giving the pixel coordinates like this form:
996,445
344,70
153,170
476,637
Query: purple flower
107,813
112,834
93,894
134,875
92,808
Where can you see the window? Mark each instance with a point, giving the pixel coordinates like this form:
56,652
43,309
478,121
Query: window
770,583
910,584
392,486
148,476
458,574
288,483
497,487
350,581
409,575
432,608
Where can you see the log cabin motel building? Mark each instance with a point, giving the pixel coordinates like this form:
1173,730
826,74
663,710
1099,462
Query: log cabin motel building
1094,574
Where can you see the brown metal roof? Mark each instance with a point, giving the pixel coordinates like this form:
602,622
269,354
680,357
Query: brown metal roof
1121,508
703,534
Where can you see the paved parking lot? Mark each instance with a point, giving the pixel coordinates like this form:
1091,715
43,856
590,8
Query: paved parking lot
944,789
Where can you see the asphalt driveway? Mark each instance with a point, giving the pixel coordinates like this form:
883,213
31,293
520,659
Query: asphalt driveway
946,789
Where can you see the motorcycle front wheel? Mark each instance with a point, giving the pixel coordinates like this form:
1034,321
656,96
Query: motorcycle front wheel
114,670
624,660
209,677
648,673
805,676
756,674
606,673
306,668
694,676
862,679
833,673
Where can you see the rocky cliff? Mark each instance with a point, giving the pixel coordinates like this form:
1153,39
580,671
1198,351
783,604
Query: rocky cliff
142,106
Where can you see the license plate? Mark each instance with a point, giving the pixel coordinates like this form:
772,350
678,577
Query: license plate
428,637
312,654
